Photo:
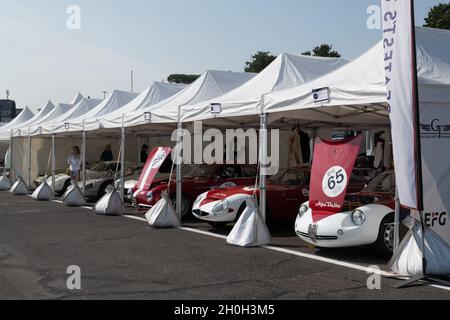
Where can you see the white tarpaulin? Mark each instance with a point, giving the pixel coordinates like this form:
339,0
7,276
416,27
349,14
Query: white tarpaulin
163,214
285,72
110,204
73,197
19,188
408,261
250,230
43,192
5,183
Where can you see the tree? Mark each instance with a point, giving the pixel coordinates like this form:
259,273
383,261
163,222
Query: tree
324,50
259,62
438,17
182,78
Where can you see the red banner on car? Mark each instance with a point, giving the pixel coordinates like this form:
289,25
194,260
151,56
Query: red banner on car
330,175
154,162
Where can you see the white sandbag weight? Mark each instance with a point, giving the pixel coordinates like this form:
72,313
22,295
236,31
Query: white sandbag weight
73,197
250,230
163,214
408,259
19,188
110,204
5,183
43,192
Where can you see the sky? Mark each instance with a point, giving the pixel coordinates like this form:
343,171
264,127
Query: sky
42,59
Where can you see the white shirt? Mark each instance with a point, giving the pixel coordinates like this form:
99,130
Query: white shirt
74,162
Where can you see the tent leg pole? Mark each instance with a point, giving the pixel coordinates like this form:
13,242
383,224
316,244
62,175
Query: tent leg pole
397,223
11,158
138,150
83,162
29,160
122,165
53,165
179,187
263,170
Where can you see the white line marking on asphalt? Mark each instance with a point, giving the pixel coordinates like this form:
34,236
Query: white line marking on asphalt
286,251
206,233
298,254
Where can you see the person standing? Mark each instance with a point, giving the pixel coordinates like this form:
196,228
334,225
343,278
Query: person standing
74,162
107,154
144,153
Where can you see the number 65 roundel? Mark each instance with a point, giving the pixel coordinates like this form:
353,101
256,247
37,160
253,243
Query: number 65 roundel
331,170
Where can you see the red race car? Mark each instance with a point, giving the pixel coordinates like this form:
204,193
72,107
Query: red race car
196,180
285,191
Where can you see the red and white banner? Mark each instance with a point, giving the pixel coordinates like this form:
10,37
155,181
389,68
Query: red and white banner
330,175
154,162
401,82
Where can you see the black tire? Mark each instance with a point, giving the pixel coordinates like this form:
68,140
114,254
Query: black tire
186,206
67,184
385,241
102,190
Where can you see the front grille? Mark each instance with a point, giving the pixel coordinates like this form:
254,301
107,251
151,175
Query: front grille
305,235
201,213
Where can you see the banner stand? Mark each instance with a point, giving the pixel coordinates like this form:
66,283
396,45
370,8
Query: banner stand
83,161
179,162
53,164
122,161
29,157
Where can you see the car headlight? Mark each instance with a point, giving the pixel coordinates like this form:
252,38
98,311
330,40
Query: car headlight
302,211
220,207
358,217
197,201
149,196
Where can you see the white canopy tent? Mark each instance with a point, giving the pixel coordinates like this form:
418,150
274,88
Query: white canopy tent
17,122
84,106
209,85
115,100
77,99
40,115
5,132
285,72
156,93
357,91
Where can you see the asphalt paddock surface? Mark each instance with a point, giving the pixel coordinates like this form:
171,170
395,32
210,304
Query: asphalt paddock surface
123,258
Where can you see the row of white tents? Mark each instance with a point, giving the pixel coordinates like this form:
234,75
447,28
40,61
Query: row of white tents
356,98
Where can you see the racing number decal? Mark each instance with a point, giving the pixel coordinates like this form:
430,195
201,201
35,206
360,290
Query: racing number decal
334,182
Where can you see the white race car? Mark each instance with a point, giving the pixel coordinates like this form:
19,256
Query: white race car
367,220
99,177
129,184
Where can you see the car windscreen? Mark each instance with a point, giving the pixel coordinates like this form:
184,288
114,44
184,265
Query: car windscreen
382,183
288,177
194,170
